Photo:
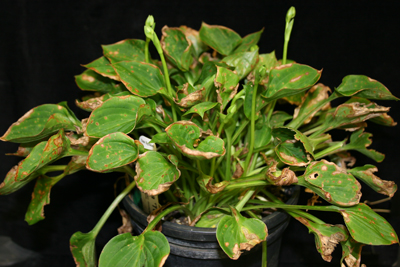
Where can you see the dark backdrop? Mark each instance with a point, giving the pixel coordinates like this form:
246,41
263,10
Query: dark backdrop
43,43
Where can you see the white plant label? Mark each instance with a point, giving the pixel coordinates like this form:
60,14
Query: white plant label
145,141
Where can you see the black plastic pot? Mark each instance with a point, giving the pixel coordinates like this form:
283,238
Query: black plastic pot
196,246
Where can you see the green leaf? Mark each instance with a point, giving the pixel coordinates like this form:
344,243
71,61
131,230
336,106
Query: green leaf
211,218
142,79
219,38
155,174
117,114
103,67
359,141
332,183
247,105
89,80
293,147
41,122
160,138
126,50
262,136
198,46
363,86
201,108
243,62
290,79
227,83
248,41
149,249
278,118
186,137
208,70
269,61
366,174
327,236
83,249
112,151
41,155
236,233
177,48
366,226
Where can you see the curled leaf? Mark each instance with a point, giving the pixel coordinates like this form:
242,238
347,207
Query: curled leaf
366,174
206,184
359,141
188,96
286,176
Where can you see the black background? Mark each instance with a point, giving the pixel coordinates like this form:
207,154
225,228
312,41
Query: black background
43,43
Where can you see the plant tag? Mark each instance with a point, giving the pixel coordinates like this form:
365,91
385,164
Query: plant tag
145,141
150,203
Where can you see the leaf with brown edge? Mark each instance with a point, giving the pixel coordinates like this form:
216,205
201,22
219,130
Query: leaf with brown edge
125,50
140,78
363,86
150,249
359,141
198,46
154,173
351,255
112,151
201,108
41,155
227,83
366,174
103,67
220,38
89,80
211,218
382,119
236,233
186,136
117,114
311,99
188,96
206,184
290,79
284,178
332,183
41,122
327,236
177,47
366,226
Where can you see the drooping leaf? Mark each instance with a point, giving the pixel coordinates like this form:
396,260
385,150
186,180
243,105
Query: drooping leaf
309,105
205,182
41,122
23,150
351,254
41,155
140,78
186,136
82,246
155,174
89,80
366,174
112,151
227,83
363,86
117,114
243,62
177,47
198,46
236,233
201,108
103,67
248,41
332,183
327,236
290,79
221,39
149,249
359,141
126,50
366,226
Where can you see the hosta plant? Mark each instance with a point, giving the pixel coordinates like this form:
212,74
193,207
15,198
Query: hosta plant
200,122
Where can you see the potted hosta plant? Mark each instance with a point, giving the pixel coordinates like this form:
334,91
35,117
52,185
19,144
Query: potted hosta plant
199,132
